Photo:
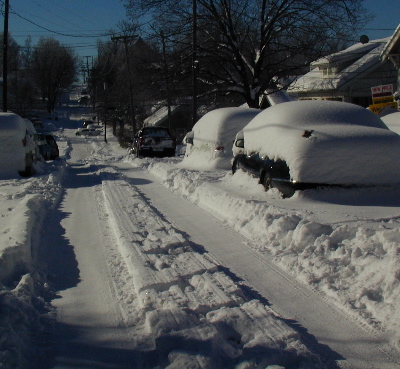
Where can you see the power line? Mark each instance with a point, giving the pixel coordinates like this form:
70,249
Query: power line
59,33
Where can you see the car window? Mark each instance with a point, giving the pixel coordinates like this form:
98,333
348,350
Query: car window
239,142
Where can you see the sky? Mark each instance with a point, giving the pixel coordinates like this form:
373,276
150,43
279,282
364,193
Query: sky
77,23
80,23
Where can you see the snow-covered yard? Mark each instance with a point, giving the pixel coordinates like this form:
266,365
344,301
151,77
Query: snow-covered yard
342,243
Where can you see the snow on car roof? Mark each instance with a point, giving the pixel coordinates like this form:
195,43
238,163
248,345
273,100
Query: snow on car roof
326,142
221,125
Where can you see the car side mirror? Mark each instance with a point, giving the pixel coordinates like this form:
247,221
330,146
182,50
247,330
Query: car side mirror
239,143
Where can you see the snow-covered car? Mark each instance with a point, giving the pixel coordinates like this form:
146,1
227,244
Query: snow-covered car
188,142
308,144
209,144
92,131
44,147
86,122
17,152
153,141
48,146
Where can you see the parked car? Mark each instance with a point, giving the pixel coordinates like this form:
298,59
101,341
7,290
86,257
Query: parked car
54,151
209,144
37,122
16,151
153,141
86,122
44,147
92,131
187,142
32,139
307,144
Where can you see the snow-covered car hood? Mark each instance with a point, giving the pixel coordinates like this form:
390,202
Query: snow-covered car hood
327,142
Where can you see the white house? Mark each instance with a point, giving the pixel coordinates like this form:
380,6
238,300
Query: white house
347,75
391,52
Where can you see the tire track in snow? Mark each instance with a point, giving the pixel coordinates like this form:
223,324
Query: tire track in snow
194,312
359,347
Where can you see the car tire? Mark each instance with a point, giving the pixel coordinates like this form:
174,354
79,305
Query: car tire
287,191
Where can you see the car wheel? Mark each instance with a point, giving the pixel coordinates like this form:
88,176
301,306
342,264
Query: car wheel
287,191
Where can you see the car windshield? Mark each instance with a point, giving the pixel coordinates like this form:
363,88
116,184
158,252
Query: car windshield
160,132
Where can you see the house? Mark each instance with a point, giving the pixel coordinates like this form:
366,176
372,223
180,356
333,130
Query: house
347,75
391,52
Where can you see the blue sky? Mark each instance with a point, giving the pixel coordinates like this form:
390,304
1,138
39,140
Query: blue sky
79,23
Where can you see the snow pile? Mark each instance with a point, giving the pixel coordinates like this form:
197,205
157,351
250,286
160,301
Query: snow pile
25,316
355,265
326,142
213,137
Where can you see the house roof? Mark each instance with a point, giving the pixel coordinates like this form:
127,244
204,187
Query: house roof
159,116
363,59
393,45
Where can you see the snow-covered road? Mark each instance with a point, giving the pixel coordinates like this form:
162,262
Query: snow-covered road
89,329
328,331
146,278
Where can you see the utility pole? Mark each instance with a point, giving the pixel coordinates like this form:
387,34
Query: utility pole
87,70
126,39
195,62
5,56
166,71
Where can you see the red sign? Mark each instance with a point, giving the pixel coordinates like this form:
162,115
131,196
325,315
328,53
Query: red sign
383,90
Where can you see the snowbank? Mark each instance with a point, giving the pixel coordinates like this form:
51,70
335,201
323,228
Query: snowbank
25,316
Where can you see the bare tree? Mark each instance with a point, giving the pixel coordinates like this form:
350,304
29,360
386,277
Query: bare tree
115,86
245,47
55,68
